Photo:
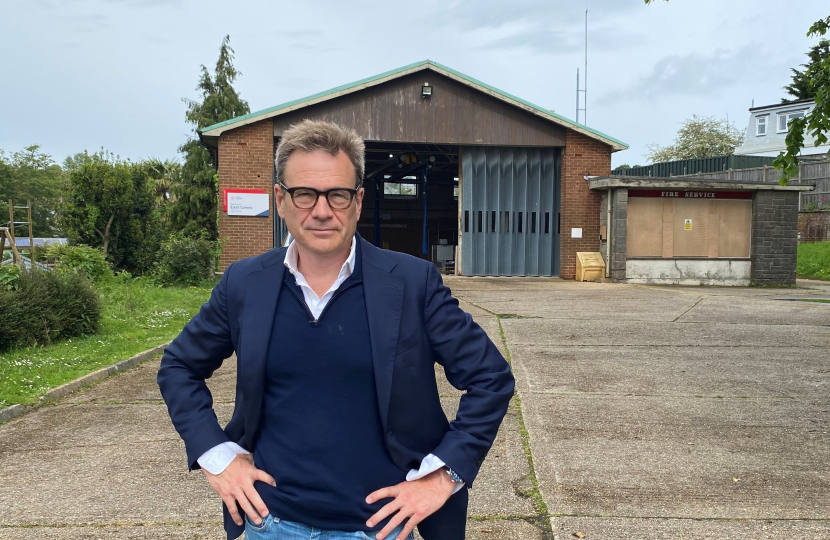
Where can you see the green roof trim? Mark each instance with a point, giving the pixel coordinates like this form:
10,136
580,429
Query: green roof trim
414,66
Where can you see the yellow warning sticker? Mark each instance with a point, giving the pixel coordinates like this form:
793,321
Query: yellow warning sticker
687,224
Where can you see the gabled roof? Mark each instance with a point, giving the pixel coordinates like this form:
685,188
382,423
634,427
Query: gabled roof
217,129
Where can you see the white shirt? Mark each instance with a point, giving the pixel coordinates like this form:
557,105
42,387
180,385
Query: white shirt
220,456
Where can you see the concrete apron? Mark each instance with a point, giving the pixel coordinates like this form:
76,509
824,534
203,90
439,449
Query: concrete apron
105,462
648,412
671,412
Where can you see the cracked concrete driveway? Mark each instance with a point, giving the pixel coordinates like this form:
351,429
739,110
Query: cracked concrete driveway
671,412
641,412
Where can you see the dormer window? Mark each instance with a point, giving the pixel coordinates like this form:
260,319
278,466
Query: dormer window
785,118
761,126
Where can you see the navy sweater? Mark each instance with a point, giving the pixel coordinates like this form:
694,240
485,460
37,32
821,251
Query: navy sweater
321,437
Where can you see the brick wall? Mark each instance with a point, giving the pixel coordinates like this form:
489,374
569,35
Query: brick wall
774,248
246,161
580,205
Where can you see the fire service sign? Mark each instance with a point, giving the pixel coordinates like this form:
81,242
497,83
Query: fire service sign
248,204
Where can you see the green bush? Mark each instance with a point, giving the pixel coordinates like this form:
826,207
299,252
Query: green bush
48,306
186,261
814,260
79,259
9,276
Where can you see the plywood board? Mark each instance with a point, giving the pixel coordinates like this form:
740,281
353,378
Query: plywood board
691,228
668,231
714,229
644,232
735,223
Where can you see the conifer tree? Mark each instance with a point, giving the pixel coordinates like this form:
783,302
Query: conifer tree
801,88
195,210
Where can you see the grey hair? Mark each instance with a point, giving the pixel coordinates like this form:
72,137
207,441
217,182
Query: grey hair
313,135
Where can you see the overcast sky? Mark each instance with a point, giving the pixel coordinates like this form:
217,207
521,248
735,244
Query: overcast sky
86,74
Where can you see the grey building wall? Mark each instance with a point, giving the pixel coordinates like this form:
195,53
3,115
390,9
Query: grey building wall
774,247
603,221
619,231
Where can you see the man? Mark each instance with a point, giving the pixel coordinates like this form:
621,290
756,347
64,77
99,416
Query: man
338,427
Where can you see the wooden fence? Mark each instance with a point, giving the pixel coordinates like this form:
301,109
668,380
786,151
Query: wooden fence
814,173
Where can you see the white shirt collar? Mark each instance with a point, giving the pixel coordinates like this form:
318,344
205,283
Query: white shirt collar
292,257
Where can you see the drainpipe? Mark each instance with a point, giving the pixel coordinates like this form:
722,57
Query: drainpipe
608,233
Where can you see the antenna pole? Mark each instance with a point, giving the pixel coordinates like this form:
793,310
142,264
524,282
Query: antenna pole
577,95
585,104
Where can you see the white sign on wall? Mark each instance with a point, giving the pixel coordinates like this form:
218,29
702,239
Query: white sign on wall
576,233
248,204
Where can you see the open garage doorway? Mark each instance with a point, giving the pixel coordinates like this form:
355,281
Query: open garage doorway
411,201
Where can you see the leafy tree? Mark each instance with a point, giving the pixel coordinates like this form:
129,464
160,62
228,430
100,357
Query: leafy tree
196,195
801,88
699,137
32,175
817,122
110,204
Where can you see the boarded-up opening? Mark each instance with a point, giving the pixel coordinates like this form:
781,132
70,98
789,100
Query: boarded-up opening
645,227
680,226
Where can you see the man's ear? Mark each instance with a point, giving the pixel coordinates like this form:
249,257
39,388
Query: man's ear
279,196
358,200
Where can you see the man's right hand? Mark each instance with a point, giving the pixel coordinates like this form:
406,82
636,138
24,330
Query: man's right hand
236,485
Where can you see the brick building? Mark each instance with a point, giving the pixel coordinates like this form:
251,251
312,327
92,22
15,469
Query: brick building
458,172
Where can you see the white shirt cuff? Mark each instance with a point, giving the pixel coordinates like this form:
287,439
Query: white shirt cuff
430,463
220,456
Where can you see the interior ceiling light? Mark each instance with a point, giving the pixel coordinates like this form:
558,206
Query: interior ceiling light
426,90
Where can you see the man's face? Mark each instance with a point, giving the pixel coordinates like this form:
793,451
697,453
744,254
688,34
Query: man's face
319,229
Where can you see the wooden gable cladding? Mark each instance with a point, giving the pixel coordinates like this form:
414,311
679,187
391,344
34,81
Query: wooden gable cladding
455,114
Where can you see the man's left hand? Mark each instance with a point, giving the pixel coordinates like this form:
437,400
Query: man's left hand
416,500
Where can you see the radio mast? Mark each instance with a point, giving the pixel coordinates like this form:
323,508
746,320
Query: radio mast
584,89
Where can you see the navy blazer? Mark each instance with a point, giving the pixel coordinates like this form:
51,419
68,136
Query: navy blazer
413,322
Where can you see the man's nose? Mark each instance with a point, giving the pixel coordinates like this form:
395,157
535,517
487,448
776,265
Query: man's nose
321,209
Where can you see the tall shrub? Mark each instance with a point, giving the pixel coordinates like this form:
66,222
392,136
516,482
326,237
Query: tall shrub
79,259
48,306
186,261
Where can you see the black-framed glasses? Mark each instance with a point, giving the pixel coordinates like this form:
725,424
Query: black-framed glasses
306,198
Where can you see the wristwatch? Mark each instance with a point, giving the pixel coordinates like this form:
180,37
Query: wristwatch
453,475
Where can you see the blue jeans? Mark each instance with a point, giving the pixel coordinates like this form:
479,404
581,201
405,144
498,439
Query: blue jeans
274,528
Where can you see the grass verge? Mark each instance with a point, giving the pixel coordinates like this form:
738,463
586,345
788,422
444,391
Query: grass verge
814,260
137,316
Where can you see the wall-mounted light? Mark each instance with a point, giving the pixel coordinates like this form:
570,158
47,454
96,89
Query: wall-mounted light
426,90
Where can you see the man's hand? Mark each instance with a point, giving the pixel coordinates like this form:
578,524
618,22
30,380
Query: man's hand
236,485
415,500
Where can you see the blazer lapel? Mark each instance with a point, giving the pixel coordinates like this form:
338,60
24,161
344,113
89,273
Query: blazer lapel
383,292
262,290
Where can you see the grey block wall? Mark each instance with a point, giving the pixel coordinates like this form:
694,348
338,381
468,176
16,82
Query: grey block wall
619,231
774,248
603,220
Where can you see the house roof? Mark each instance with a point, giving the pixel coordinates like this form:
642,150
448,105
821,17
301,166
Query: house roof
23,242
216,130
784,104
